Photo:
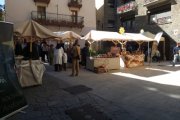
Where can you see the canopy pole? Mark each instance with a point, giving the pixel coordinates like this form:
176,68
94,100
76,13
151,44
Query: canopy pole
164,51
90,46
123,43
30,59
149,58
139,43
115,42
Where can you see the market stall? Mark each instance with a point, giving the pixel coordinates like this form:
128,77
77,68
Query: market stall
30,72
136,58
107,61
120,58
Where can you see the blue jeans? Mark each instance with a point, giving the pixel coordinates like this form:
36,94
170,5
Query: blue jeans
176,56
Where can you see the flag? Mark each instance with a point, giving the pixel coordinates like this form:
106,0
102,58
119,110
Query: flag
158,36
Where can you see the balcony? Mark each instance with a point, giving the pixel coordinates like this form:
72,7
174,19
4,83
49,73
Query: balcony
60,20
75,4
130,6
42,1
149,3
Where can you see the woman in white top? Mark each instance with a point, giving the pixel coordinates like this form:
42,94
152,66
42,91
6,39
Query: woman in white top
58,54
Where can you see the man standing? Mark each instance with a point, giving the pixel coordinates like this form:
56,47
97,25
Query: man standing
75,58
176,51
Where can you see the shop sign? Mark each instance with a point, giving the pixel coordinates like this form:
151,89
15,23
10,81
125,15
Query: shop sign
127,7
149,1
164,20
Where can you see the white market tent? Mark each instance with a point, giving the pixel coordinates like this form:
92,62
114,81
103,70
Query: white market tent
115,37
151,35
139,37
95,35
69,35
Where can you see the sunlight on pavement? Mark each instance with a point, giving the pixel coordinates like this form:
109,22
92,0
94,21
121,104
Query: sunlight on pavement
155,69
172,78
151,89
175,96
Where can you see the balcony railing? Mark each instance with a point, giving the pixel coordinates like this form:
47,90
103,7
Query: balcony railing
42,1
130,6
153,2
58,19
75,3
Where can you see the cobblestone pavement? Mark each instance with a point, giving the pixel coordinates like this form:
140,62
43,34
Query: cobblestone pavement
144,93
49,102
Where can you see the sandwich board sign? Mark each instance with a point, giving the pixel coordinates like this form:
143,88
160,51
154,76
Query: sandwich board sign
11,95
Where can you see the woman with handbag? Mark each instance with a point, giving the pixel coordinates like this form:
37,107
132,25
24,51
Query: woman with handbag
75,58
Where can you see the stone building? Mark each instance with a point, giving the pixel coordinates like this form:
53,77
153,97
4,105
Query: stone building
106,17
58,15
152,16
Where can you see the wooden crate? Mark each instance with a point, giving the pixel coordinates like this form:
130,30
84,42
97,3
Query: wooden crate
99,70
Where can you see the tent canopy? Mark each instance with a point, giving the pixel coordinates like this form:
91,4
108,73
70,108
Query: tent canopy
94,35
151,35
33,29
70,35
139,37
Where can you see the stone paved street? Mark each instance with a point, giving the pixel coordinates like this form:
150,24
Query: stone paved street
127,94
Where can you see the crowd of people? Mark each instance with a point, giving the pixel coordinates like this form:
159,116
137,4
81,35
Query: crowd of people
57,55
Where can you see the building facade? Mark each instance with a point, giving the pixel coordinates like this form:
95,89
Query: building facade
57,15
153,16
106,17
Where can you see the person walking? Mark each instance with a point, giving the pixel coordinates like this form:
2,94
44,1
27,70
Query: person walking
176,51
75,58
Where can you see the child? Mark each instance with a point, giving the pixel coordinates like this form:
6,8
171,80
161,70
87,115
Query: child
64,60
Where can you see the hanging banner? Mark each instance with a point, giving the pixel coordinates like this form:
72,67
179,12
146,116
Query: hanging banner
11,95
158,36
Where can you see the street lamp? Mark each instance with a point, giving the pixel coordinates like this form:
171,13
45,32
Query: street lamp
142,31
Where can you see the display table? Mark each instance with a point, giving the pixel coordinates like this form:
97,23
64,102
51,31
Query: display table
128,60
30,75
107,63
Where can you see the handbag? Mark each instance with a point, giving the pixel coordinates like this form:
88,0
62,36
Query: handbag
78,57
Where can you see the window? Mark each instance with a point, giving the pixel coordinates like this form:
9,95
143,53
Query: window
74,16
128,24
41,12
111,3
111,24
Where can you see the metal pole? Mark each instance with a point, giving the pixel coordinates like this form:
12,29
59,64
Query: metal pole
148,54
